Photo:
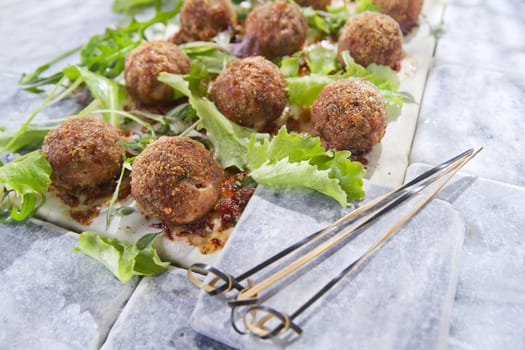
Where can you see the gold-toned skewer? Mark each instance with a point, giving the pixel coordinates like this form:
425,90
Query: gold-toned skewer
257,326
253,292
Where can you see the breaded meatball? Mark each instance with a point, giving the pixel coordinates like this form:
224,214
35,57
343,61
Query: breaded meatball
84,154
204,19
251,92
372,37
275,29
350,114
405,12
176,179
144,64
316,4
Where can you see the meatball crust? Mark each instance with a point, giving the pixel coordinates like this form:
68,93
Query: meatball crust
316,4
144,64
372,37
276,29
204,19
176,179
405,12
251,92
83,154
350,114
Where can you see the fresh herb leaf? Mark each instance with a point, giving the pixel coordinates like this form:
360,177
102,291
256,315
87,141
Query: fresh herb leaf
228,139
122,258
103,54
31,138
33,81
110,93
23,182
292,160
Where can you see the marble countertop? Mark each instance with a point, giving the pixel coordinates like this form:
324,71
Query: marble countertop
474,96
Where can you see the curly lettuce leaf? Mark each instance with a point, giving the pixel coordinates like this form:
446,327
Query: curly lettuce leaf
322,60
229,140
328,22
122,258
293,160
214,57
23,183
303,90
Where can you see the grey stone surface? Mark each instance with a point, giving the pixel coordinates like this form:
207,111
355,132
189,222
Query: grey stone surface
400,298
51,298
157,316
483,32
471,107
490,298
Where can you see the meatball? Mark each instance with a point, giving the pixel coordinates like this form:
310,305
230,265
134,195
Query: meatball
84,155
144,64
251,92
204,19
372,37
405,12
275,29
316,4
350,114
176,179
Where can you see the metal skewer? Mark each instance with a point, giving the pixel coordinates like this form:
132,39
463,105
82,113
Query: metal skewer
230,282
257,326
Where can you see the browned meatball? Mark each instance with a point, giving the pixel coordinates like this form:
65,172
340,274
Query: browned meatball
405,12
204,19
251,92
316,4
176,179
83,154
350,114
275,29
372,37
144,64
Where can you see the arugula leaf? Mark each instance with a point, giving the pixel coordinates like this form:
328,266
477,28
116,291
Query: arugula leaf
122,258
31,138
303,90
22,185
299,160
110,93
229,140
103,54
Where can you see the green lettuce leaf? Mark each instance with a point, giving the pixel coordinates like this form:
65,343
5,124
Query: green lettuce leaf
303,90
122,258
328,22
22,184
292,160
321,60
